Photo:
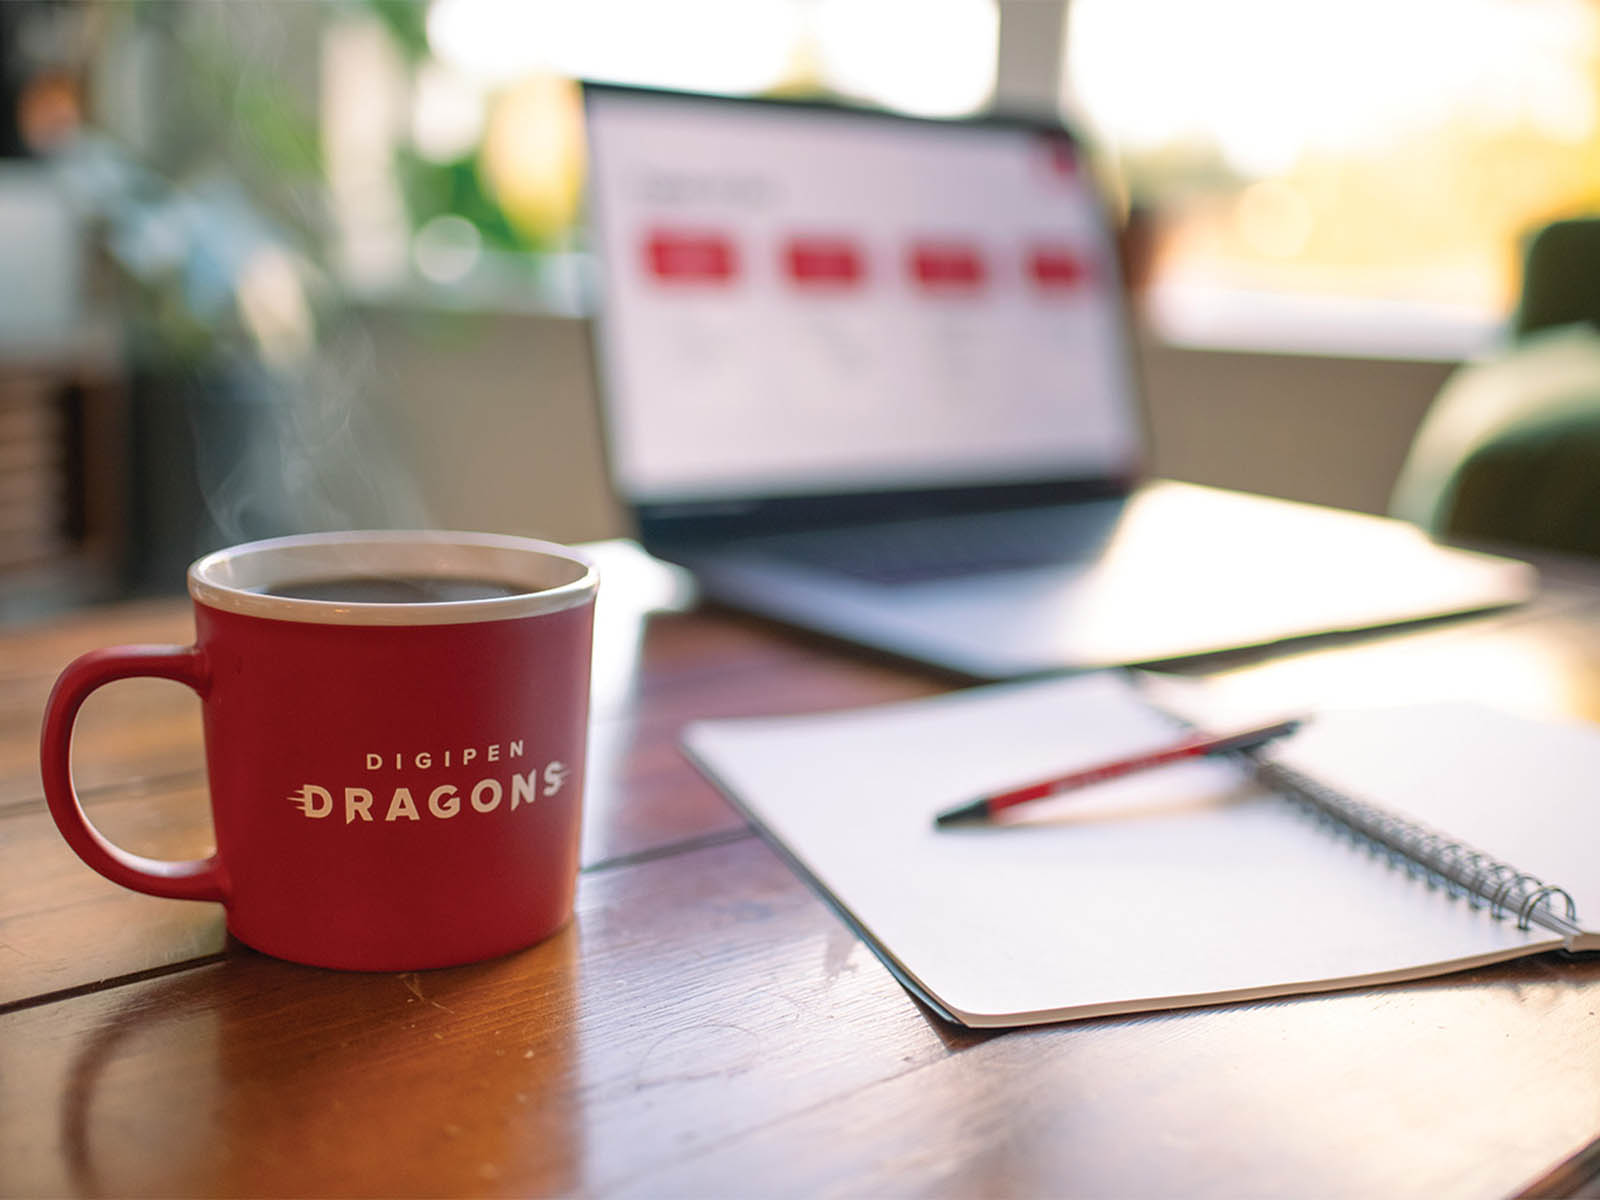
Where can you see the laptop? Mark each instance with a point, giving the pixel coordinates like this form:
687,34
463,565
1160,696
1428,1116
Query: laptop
872,375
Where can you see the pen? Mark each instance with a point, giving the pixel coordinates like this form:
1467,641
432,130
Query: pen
1196,745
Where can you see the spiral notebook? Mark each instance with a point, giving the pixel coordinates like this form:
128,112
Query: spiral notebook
1374,846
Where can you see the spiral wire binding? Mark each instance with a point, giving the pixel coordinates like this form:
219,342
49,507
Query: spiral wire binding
1431,856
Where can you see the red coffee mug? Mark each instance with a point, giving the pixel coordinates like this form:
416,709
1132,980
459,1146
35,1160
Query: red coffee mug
393,785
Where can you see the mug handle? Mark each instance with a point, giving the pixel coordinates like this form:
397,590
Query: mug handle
195,879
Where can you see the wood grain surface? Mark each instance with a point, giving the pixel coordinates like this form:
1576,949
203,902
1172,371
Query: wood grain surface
706,1026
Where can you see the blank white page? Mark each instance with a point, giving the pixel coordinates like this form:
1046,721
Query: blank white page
1526,791
1179,886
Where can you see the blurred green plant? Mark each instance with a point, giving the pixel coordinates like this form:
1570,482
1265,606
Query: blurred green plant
463,186
407,23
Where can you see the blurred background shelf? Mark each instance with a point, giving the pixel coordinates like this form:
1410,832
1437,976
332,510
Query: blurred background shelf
63,473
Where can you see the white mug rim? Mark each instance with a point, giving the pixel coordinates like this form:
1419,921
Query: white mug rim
229,579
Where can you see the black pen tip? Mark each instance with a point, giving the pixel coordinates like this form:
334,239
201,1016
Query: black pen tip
967,814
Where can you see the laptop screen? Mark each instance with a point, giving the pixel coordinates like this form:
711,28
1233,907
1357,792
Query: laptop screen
799,300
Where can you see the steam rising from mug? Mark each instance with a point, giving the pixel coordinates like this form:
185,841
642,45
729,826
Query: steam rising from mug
300,447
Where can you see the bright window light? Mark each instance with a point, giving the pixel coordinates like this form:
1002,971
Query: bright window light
1392,151
726,46
1269,82
447,113
933,58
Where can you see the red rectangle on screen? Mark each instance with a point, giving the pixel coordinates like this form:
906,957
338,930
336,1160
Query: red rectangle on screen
682,256
947,265
1057,268
823,260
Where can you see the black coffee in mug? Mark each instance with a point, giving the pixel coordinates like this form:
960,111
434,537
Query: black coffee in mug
395,589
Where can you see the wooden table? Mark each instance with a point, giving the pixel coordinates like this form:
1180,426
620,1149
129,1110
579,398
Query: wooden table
706,1026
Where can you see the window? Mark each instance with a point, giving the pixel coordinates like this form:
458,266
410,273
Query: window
1358,173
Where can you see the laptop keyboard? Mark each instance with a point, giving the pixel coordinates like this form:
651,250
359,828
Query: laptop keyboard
930,549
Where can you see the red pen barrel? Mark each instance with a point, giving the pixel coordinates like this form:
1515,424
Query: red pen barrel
1194,746
1187,748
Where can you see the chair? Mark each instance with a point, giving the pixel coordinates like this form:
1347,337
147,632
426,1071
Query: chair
1509,451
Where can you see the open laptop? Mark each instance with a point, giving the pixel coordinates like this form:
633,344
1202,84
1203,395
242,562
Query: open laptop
872,375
